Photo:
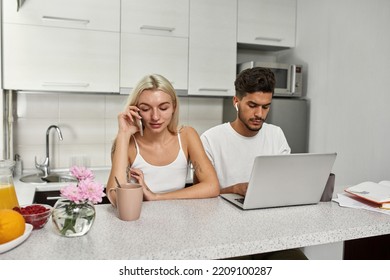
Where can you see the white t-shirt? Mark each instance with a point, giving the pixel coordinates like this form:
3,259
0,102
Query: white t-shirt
233,154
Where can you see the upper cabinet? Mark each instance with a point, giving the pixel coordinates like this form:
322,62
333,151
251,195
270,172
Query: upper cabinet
267,22
154,39
212,47
79,14
109,45
61,45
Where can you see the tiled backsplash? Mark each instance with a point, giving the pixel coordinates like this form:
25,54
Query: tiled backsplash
88,124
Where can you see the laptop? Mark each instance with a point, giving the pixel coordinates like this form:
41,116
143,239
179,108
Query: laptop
285,180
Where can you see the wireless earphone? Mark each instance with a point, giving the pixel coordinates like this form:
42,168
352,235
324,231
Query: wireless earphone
235,105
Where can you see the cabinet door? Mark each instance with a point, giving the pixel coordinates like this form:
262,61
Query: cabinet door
59,59
155,17
143,54
267,22
79,14
212,47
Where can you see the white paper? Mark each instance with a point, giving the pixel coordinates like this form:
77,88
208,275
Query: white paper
346,200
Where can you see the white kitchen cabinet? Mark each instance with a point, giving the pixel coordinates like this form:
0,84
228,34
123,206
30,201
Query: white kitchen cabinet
61,45
142,55
267,22
154,39
79,14
155,17
60,59
212,47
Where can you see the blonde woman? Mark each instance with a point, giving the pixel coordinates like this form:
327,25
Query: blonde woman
157,156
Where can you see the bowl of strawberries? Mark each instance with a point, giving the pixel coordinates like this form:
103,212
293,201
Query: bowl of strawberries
35,214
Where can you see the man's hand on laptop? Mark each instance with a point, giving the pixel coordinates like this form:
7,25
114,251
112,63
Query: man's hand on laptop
239,188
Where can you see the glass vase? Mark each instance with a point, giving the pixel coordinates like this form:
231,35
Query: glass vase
72,219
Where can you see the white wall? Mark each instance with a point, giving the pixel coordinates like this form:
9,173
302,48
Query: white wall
345,47
88,124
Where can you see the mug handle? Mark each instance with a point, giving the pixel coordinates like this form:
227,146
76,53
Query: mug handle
109,196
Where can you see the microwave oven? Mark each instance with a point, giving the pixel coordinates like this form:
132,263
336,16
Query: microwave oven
288,77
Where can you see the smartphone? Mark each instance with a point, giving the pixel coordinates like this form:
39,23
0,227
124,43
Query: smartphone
141,129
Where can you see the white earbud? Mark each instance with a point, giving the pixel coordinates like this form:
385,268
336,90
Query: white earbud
235,105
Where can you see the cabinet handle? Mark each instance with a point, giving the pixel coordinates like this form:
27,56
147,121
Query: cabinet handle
293,78
54,84
74,20
269,39
160,28
213,89
53,197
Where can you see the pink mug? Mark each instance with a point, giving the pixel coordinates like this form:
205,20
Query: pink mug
129,199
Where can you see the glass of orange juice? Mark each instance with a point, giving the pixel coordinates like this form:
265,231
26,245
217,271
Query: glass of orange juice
8,198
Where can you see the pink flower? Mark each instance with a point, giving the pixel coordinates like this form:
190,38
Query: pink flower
72,193
91,191
81,173
86,189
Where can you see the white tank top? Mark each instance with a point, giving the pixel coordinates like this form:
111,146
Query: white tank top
164,178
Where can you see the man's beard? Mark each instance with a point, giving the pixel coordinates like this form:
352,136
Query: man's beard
257,128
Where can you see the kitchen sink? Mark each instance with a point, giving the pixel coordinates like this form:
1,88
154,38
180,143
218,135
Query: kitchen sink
50,197
51,178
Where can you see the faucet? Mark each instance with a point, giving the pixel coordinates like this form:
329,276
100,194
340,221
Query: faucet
45,166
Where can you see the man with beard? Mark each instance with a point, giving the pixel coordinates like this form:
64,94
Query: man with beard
232,147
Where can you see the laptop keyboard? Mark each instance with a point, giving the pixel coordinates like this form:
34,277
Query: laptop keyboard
240,200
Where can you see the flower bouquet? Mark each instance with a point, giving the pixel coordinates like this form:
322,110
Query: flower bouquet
74,214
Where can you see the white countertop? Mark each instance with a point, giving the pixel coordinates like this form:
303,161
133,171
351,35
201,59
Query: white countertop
203,229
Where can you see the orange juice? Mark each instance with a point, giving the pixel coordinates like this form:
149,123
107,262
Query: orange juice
8,199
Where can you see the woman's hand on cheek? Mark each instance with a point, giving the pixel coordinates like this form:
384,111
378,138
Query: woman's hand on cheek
127,120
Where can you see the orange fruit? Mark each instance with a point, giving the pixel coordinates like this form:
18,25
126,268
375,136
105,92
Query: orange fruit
12,225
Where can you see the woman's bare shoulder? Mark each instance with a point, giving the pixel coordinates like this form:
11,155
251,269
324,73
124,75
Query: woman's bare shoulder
188,131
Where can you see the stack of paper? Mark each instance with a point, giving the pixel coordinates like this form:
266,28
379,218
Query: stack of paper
348,200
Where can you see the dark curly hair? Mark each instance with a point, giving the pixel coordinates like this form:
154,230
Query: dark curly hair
253,80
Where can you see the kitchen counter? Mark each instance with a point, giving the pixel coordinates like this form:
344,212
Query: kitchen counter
203,229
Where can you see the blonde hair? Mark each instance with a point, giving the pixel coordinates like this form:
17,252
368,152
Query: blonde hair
156,82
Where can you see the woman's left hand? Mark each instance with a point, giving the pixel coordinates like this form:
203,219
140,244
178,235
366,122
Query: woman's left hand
139,176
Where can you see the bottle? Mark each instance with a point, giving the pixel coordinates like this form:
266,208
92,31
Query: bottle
18,170
8,198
